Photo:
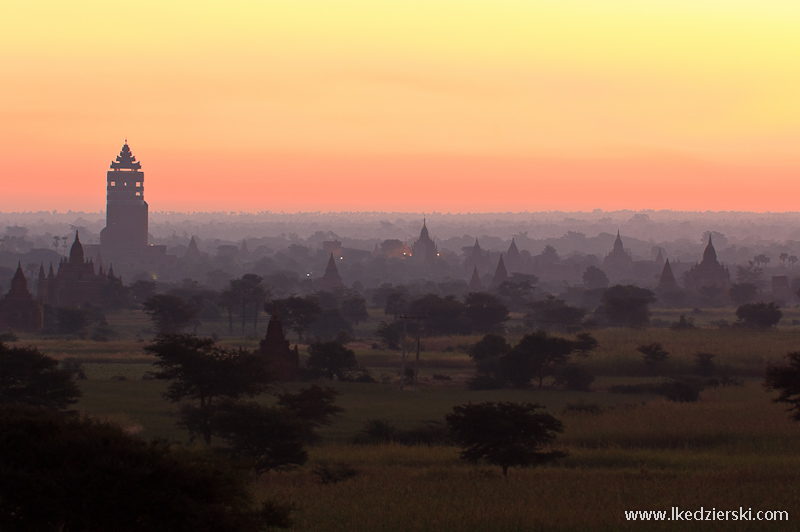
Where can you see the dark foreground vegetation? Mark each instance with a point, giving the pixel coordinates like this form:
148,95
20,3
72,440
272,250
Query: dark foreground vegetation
153,437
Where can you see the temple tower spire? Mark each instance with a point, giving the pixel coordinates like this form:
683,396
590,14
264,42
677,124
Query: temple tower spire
126,210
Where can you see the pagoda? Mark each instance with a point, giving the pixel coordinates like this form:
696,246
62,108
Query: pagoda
126,209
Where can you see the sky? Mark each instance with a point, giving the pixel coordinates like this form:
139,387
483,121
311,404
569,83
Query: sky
404,105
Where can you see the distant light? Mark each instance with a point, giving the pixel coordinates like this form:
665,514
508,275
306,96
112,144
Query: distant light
341,258
308,275
437,255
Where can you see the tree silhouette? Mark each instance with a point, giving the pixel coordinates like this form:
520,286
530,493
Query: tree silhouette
28,377
297,313
74,473
759,315
786,380
627,305
169,313
594,278
331,359
654,354
536,355
201,373
486,313
504,434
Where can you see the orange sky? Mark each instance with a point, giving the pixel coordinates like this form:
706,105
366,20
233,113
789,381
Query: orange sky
441,105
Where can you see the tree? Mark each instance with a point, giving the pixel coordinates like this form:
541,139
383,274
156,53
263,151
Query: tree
73,321
584,344
516,292
268,437
627,305
749,274
536,355
654,354
28,377
331,359
169,313
488,351
786,380
329,324
552,313
443,315
743,293
486,313
549,254
573,377
390,334
354,309
594,278
297,313
759,315
141,290
396,302
314,406
201,373
74,473
228,300
249,293
505,434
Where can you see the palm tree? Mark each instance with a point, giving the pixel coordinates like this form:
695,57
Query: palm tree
227,299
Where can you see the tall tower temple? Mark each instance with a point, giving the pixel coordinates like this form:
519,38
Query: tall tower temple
126,210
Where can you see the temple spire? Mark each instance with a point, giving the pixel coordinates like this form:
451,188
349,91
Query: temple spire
76,251
500,274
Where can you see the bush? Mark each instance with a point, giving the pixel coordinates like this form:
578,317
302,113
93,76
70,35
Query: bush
333,473
683,324
654,354
574,377
8,336
704,364
378,431
759,315
582,408
486,382
682,391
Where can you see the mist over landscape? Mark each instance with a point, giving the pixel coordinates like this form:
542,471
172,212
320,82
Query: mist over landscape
358,265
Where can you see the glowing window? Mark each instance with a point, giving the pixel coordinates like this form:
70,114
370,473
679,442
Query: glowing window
138,193
112,184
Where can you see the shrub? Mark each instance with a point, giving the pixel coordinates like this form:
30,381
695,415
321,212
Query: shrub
333,473
704,364
653,354
574,377
682,391
486,382
582,408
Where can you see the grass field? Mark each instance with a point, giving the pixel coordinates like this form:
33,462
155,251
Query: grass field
733,448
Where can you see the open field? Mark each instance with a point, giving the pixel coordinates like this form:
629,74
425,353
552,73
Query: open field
732,448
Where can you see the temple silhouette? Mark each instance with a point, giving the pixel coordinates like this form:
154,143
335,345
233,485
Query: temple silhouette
19,311
124,240
76,283
285,362
424,248
709,273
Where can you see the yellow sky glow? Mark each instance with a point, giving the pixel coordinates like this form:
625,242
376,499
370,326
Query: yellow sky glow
615,104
